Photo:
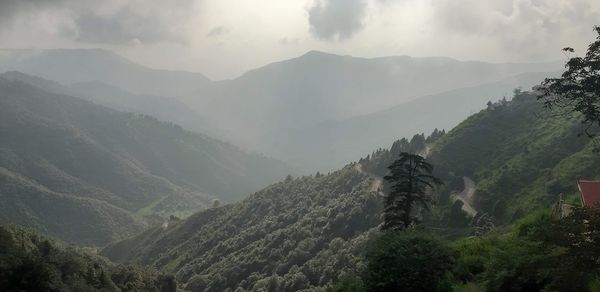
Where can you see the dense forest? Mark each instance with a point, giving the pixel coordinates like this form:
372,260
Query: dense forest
29,262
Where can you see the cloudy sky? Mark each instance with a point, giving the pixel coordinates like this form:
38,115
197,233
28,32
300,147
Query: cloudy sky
224,38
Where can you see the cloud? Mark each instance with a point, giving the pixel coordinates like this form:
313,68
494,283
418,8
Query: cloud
217,31
519,26
115,22
336,19
289,41
9,9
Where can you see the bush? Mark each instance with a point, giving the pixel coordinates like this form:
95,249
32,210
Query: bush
408,261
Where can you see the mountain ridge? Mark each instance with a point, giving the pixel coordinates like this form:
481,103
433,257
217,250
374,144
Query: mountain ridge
82,65
78,149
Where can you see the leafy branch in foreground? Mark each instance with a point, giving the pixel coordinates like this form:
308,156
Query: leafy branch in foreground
578,88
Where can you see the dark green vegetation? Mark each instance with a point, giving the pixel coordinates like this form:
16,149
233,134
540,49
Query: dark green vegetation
520,156
577,89
29,262
540,254
411,185
408,261
293,235
298,234
88,174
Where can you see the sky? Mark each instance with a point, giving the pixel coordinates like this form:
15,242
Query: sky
225,38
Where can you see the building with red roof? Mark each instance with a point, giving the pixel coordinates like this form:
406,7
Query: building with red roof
590,193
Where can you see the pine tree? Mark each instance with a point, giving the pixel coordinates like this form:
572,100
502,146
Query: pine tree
410,178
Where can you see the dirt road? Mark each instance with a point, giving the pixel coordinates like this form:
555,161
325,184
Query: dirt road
467,195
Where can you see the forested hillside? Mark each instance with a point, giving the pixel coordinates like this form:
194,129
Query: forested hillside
89,174
34,263
303,233
520,156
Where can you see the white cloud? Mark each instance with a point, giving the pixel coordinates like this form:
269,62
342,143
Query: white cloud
224,38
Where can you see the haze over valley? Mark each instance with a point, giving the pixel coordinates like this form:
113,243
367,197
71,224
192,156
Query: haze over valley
313,145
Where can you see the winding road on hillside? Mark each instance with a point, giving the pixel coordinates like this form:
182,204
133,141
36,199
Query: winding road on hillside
376,185
467,195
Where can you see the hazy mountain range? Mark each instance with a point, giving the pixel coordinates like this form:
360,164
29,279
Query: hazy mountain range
290,108
329,144
83,65
315,112
90,174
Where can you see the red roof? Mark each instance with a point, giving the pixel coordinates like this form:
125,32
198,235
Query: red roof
590,193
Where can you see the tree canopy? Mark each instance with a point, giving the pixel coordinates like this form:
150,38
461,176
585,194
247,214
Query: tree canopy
410,177
577,90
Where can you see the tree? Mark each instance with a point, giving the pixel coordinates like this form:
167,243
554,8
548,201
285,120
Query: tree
410,177
408,261
578,88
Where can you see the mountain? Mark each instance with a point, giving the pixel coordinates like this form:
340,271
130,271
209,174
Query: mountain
296,235
84,65
304,233
163,108
300,233
31,262
88,174
318,87
330,144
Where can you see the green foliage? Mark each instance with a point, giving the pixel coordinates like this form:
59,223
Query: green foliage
408,261
29,262
577,89
348,283
520,157
539,255
411,179
298,234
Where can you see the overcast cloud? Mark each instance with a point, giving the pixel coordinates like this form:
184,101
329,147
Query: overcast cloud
331,19
224,38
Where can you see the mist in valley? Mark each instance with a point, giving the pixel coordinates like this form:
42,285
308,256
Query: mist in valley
313,145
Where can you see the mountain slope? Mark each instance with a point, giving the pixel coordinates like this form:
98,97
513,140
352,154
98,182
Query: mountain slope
297,234
118,163
34,263
328,145
303,233
83,65
317,87
163,108
520,156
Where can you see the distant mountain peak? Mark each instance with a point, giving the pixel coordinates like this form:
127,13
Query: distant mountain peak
69,66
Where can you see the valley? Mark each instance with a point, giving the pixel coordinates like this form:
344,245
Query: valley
345,146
